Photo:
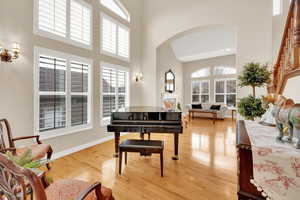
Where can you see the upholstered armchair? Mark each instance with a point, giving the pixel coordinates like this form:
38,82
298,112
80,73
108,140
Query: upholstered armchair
7,143
20,183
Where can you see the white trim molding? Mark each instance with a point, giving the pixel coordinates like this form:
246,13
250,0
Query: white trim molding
83,146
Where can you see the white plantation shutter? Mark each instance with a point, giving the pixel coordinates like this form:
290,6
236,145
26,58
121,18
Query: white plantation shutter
109,35
52,16
114,90
123,42
80,22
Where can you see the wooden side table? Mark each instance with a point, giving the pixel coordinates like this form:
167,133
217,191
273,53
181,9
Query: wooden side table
233,112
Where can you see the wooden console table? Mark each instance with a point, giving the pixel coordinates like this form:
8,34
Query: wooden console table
246,191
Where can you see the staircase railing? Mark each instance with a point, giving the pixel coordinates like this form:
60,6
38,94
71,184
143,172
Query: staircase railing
287,65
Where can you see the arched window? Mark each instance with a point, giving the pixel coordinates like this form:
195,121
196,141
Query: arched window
221,70
117,7
205,72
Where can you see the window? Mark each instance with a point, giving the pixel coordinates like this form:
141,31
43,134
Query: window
277,7
115,90
201,73
224,70
64,20
115,38
200,91
80,23
63,95
225,92
52,16
117,8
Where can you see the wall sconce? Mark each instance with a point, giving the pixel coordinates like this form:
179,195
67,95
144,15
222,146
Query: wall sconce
8,55
138,77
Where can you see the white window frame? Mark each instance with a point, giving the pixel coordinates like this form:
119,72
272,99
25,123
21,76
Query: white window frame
68,129
200,93
225,89
66,39
118,24
105,120
122,7
280,9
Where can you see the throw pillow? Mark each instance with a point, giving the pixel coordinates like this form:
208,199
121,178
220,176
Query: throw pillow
196,106
215,107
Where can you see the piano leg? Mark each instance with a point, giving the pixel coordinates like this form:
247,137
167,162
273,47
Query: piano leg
176,140
117,141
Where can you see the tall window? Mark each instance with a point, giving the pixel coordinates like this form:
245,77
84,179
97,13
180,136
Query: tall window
115,90
277,7
64,20
225,92
63,98
200,91
117,8
115,39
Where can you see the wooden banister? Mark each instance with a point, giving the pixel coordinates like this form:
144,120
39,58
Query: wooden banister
287,64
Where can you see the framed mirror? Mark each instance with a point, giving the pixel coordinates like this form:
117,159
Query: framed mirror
169,81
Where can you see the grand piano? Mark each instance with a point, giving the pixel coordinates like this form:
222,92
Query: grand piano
146,120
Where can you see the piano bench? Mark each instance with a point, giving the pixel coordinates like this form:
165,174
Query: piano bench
144,147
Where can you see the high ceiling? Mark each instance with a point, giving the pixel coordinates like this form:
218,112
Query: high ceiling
205,43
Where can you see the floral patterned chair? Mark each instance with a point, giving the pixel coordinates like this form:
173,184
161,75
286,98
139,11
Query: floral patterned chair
7,143
20,183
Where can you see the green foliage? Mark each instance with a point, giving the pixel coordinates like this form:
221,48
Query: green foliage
251,107
254,75
25,160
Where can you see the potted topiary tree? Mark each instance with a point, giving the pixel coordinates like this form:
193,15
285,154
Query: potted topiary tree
254,75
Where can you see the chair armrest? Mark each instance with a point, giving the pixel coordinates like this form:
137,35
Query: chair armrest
28,137
11,149
96,187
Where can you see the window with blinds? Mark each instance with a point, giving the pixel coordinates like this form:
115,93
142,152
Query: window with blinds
115,38
52,91
225,92
117,8
52,16
114,90
64,96
200,91
80,27
64,20
109,36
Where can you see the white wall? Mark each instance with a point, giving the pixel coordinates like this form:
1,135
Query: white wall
164,19
190,67
16,79
167,60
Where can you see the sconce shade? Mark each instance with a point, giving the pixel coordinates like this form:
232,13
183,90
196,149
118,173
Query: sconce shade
8,55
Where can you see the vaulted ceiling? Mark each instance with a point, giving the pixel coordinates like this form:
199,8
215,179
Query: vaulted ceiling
205,43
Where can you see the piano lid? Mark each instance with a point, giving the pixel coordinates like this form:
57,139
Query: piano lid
144,109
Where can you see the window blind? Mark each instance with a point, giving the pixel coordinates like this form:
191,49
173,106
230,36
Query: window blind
114,90
123,42
79,93
52,93
109,36
80,27
52,16
226,92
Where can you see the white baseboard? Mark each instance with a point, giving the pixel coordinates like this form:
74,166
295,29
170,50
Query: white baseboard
82,147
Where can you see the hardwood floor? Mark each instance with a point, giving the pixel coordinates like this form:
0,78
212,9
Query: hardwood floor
206,168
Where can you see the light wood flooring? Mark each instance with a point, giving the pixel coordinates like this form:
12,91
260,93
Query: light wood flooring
206,168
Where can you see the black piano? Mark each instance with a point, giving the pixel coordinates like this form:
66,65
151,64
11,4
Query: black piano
145,120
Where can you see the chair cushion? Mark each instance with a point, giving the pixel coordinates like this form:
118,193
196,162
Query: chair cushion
196,106
71,189
38,150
